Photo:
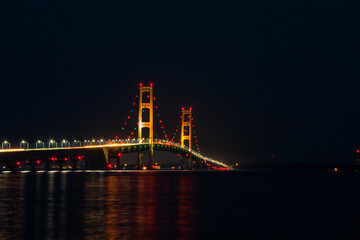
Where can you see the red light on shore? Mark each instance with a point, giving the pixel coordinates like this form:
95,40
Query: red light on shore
109,165
18,163
38,161
65,159
119,154
79,157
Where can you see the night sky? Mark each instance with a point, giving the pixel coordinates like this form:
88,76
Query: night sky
262,77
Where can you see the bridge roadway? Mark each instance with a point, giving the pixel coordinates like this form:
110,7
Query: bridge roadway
97,156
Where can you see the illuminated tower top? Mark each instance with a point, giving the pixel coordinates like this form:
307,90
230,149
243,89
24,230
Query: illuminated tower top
186,126
143,104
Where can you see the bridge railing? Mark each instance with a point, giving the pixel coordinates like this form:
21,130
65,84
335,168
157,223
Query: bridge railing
65,144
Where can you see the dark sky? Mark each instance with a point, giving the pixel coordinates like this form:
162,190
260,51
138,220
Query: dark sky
263,77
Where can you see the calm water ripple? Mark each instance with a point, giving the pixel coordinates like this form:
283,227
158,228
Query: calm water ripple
179,205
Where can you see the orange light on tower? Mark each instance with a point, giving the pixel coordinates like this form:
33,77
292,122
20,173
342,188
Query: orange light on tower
149,124
185,124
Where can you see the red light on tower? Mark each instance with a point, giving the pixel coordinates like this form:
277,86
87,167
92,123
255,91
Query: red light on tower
140,84
38,161
358,150
190,109
182,109
119,154
18,163
109,165
151,84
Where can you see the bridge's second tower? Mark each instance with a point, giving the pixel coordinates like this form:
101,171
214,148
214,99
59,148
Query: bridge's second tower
145,104
186,127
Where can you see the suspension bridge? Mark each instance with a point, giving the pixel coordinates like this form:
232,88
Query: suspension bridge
100,153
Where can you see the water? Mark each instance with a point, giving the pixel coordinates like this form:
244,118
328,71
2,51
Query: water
179,205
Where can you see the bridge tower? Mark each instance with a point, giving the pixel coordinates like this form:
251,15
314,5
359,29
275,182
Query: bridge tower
186,123
186,135
149,124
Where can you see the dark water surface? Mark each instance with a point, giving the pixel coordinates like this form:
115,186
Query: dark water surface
179,205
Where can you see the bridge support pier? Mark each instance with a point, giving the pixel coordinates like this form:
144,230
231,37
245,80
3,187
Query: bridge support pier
95,159
151,160
61,165
181,163
61,162
13,167
150,165
139,162
47,165
33,164
74,163
118,162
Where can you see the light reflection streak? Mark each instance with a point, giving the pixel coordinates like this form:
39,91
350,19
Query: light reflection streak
96,205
